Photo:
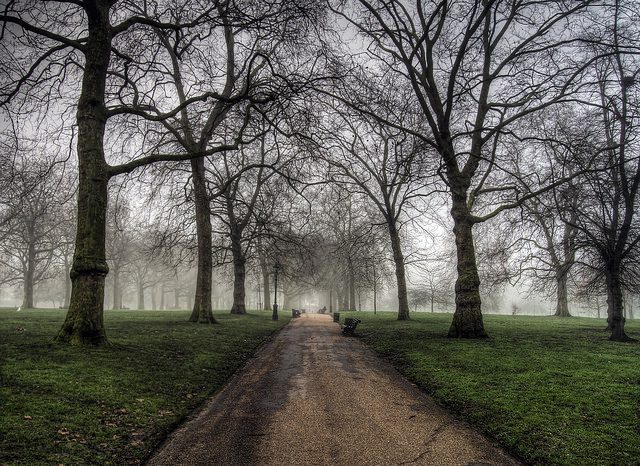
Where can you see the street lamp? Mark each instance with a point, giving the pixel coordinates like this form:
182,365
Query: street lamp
276,269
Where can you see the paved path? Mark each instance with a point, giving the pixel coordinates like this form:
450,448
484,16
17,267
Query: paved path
314,397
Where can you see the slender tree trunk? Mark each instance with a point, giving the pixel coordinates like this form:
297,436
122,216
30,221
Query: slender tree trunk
345,296
615,304
67,282
352,287
239,275
266,296
467,319
117,302
331,301
202,301
401,279
140,295
27,298
154,298
84,323
176,299
162,298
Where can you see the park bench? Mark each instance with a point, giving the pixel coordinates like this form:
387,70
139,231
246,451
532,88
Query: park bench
350,325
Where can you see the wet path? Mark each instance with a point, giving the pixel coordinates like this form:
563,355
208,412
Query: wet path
314,397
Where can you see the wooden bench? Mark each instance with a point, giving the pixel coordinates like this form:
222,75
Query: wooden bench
350,325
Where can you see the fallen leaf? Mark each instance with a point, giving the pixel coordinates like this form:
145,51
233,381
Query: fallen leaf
63,431
28,418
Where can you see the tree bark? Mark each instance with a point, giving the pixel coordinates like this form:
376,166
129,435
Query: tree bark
27,298
615,304
84,323
239,275
202,301
467,319
562,304
266,295
401,279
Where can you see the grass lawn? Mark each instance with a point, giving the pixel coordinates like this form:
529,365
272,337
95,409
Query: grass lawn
113,405
550,390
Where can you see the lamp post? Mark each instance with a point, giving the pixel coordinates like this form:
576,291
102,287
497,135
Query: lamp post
276,269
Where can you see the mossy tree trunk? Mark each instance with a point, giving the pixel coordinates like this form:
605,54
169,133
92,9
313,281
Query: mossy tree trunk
239,274
84,321
615,303
562,300
467,319
202,311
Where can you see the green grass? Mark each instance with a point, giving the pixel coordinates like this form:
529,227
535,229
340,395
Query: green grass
551,391
113,405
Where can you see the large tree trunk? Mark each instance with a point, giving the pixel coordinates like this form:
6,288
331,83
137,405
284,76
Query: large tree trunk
202,301
467,319
84,321
239,275
562,304
615,304
401,279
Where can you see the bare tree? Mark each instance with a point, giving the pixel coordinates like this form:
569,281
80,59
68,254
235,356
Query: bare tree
608,220
32,233
383,164
476,68
52,39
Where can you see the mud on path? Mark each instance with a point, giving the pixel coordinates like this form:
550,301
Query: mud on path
314,397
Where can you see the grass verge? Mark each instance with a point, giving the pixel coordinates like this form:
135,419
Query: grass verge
550,390
113,405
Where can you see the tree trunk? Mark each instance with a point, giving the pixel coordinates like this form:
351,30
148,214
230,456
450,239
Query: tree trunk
162,298
467,319
117,298
27,298
176,299
266,296
331,301
84,323
67,282
562,305
239,275
140,295
615,304
202,301
401,280
154,298
352,287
